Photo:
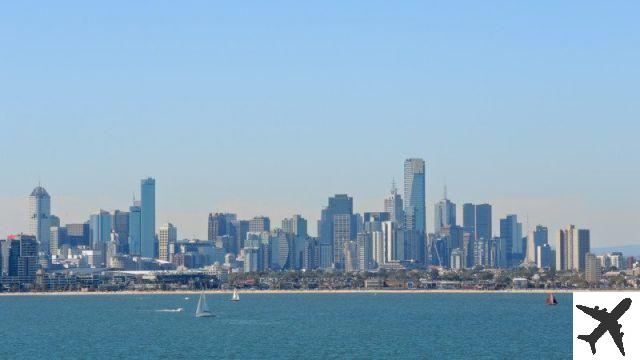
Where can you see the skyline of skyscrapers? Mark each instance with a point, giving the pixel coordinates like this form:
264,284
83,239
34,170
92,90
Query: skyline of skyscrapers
389,239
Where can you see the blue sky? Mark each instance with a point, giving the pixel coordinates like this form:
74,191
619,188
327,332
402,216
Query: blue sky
269,108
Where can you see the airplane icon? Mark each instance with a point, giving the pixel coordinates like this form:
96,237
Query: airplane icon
608,322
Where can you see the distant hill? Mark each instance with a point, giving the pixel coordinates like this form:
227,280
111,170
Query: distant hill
628,250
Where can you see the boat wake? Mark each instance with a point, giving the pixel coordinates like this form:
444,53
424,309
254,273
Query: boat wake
171,310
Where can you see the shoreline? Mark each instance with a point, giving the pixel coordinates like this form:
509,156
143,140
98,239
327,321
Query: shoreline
268,292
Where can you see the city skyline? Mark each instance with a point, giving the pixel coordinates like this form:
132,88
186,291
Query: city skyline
148,185
529,107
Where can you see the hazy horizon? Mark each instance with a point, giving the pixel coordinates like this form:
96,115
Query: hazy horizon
269,110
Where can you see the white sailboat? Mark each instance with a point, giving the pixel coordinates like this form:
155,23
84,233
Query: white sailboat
203,308
235,296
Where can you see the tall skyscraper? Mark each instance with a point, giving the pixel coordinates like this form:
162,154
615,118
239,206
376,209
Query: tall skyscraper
147,217
120,224
340,204
414,195
444,214
477,221
39,217
571,248
296,226
393,206
342,229
100,226
167,235
135,229
511,232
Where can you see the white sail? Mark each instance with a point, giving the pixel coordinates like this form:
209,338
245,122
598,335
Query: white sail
235,296
203,308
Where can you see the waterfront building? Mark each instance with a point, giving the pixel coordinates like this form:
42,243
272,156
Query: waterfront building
393,206
593,272
39,217
147,217
296,226
167,237
414,195
23,258
260,224
444,214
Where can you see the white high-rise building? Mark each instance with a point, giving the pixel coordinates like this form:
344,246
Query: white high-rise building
444,214
571,248
393,205
39,217
167,235
377,240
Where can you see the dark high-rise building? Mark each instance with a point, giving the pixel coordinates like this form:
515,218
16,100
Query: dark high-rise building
147,217
511,233
239,230
23,258
120,225
476,220
260,224
78,235
414,195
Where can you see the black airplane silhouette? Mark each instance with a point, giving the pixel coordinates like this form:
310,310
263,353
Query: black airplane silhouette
608,322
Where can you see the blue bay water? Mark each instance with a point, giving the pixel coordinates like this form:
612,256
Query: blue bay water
287,326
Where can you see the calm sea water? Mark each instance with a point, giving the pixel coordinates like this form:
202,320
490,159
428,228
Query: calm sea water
261,326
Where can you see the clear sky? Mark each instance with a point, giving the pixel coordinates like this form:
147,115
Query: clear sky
270,107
